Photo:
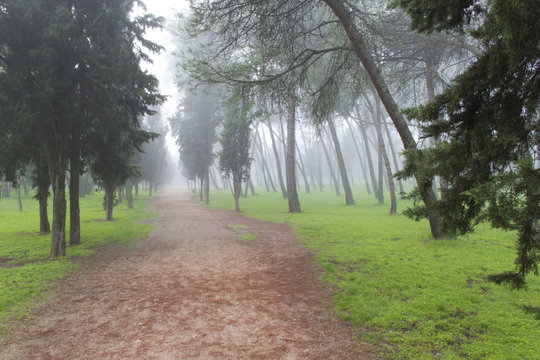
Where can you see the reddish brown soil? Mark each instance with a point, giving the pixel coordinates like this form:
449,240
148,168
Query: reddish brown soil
192,290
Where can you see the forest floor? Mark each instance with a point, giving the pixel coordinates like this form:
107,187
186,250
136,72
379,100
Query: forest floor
206,284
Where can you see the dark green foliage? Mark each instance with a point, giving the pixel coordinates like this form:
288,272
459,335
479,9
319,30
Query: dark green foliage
430,15
195,128
234,159
488,123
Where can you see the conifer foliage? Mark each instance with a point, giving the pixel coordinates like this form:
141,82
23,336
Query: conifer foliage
488,125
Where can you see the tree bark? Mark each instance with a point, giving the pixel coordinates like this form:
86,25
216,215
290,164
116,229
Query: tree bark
129,193
58,238
74,181
207,187
349,200
18,190
362,52
109,202
43,185
290,166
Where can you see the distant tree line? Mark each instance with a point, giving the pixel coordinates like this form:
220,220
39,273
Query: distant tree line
72,101
328,82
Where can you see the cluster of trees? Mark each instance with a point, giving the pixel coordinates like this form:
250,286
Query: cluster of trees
72,96
334,62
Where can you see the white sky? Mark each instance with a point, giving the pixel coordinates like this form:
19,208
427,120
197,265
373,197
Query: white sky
163,66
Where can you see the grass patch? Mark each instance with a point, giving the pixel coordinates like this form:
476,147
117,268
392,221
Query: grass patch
428,299
25,269
243,232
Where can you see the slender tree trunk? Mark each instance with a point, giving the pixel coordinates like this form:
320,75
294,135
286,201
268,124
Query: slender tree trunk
74,181
278,164
201,189
129,193
207,187
360,48
58,240
43,185
349,200
290,166
237,192
109,202
18,191
150,188
137,188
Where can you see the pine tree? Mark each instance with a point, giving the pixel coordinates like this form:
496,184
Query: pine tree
488,123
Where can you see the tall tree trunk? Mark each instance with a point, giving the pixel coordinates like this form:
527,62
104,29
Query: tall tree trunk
18,190
290,164
109,202
74,181
150,187
349,200
201,190
129,193
207,187
137,188
360,48
237,191
43,185
58,237
278,164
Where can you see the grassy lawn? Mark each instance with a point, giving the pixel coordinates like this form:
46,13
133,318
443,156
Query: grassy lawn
421,298
25,269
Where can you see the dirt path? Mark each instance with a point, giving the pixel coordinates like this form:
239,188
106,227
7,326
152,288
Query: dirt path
192,290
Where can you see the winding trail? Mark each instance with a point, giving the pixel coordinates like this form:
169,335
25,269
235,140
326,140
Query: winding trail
193,289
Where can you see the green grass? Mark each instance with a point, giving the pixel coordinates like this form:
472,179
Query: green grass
25,269
418,298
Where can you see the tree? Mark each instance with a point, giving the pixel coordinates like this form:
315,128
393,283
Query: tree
234,159
194,127
65,64
487,125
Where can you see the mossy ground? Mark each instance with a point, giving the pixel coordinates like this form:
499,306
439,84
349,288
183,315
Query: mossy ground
25,269
422,298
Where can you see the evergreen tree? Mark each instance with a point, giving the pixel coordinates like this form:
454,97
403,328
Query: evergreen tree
488,125
234,159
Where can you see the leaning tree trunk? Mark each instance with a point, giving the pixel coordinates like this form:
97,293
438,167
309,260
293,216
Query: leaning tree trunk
362,52
290,164
349,200
74,181
58,240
